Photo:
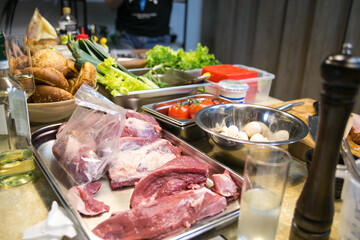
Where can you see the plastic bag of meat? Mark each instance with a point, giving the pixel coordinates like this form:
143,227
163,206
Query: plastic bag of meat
87,142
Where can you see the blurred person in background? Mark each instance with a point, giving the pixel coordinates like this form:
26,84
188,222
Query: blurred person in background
141,24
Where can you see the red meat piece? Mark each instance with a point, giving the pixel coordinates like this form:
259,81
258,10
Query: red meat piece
162,217
181,173
225,186
138,157
141,125
80,197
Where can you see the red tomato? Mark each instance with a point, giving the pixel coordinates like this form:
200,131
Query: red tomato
216,101
180,111
196,106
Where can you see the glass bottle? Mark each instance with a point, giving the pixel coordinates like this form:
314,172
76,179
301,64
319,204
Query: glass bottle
67,25
17,165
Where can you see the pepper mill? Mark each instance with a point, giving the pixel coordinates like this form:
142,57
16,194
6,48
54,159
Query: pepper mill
313,215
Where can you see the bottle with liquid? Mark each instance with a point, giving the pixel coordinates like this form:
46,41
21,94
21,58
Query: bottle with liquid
67,24
17,164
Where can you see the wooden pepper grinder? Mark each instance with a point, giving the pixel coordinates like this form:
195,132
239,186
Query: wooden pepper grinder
314,210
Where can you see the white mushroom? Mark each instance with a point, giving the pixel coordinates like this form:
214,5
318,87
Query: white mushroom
217,127
265,130
243,136
281,135
252,128
232,131
258,137
224,129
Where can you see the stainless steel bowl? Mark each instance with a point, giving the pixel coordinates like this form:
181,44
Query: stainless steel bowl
234,150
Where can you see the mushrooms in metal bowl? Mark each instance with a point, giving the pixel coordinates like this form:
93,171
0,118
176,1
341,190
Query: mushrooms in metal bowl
235,127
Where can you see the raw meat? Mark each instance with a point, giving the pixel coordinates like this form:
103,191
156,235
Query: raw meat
181,173
92,188
162,217
73,156
225,186
137,158
84,148
141,116
141,125
80,198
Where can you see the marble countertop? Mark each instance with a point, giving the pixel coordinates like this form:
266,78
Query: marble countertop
26,205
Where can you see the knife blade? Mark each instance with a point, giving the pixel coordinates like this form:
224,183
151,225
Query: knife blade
313,121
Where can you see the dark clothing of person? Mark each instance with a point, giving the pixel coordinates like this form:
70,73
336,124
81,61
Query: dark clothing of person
151,21
126,40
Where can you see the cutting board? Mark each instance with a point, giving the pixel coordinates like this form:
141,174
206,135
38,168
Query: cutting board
303,111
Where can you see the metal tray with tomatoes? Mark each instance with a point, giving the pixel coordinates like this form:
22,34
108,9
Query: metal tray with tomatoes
177,115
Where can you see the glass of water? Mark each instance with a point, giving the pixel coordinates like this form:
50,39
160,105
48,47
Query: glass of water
265,174
20,65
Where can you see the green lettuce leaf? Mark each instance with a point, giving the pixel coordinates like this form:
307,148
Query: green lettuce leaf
180,59
119,82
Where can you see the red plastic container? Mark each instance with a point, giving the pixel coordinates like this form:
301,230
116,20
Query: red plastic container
227,71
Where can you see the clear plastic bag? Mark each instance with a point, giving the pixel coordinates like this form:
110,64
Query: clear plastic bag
86,144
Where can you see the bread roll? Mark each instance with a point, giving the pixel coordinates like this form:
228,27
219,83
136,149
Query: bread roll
44,94
72,71
22,62
51,76
87,75
50,58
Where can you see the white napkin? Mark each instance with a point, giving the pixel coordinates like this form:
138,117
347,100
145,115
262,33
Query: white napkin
55,226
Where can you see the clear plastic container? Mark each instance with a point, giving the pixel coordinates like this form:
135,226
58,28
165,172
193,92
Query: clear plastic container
233,90
259,87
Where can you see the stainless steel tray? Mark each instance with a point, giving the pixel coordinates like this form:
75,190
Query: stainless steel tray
43,140
160,109
134,100
186,129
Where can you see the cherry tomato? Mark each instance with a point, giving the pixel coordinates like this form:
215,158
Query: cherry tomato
216,101
180,111
197,105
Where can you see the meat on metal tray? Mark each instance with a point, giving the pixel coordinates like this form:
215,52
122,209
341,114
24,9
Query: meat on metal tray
43,140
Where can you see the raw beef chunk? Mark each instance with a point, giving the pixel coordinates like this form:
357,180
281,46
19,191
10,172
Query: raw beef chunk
141,125
141,116
92,188
225,186
162,217
80,197
84,148
137,158
181,173
73,156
